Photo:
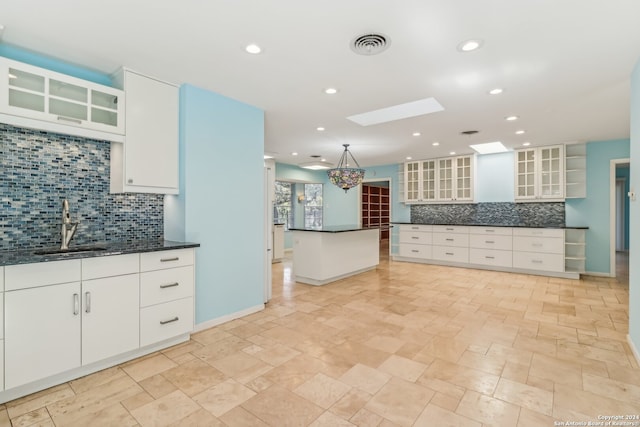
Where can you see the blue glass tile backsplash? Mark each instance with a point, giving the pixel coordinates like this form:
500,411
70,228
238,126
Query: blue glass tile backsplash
38,170
550,214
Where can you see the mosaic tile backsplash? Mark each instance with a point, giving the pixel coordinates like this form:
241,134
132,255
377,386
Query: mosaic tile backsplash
549,214
38,170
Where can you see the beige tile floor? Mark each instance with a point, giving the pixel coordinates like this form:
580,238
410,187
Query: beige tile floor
404,345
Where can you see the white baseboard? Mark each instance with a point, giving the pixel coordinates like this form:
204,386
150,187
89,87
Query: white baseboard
597,274
227,318
634,350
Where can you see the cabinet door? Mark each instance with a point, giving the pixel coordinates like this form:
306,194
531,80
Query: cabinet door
110,317
411,180
42,332
445,179
464,181
151,146
551,178
428,180
23,91
525,174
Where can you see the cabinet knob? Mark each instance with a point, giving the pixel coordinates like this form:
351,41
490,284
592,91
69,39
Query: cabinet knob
130,181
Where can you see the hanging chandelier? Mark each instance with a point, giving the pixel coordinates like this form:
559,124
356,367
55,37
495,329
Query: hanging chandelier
343,175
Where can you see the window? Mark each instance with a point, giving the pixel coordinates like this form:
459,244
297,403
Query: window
282,211
313,205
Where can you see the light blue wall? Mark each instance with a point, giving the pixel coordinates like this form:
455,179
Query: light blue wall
221,201
495,177
52,64
593,210
634,247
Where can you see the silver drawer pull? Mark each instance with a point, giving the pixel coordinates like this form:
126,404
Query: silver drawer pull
449,240
536,261
489,241
415,228
87,302
536,245
169,259
490,231
449,253
169,285
76,304
164,322
449,229
415,237
415,251
490,257
69,119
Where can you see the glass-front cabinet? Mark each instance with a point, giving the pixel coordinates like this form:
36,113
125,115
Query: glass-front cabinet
40,94
449,179
539,173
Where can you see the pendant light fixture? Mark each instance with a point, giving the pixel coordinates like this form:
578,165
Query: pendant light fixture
345,176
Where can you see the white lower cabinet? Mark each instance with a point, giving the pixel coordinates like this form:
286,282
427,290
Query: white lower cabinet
42,332
70,318
110,317
528,250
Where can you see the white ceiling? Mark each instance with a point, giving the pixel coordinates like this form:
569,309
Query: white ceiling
564,65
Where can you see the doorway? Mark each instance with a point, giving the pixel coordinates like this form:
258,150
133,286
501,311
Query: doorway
375,207
619,218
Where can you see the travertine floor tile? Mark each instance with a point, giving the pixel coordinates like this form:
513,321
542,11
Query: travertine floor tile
436,416
223,397
280,407
525,396
194,377
365,378
149,367
330,420
166,410
400,401
322,390
404,368
488,410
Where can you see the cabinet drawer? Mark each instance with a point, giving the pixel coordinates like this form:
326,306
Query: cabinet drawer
25,276
415,251
539,232
94,268
538,261
166,285
1,279
1,317
165,259
164,321
451,228
552,245
492,257
1,364
449,253
415,227
483,241
415,237
497,231
447,239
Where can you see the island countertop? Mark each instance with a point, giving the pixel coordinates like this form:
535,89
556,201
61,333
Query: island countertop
334,228
28,256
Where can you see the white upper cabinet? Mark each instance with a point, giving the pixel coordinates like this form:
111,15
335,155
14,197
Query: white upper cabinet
147,162
539,174
37,98
448,179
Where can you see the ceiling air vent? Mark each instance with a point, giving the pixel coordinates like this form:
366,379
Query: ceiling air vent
370,44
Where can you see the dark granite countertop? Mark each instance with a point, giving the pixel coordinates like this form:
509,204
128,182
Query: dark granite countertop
335,229
579,227
28,256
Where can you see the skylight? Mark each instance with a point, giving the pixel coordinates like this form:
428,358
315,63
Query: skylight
398,112
489,148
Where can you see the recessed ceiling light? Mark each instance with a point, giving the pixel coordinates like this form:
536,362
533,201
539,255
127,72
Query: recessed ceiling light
452,153
495,91
526,144
294,154
435,144
511,118
253,49
331,91
409,157
320,129
519,132
416,134
469,45
489,148
267,156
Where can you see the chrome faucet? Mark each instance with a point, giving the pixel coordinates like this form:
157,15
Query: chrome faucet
68,227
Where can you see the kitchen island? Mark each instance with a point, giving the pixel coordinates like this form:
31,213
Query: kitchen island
327,254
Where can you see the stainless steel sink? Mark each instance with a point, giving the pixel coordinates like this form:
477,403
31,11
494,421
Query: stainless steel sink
76,250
